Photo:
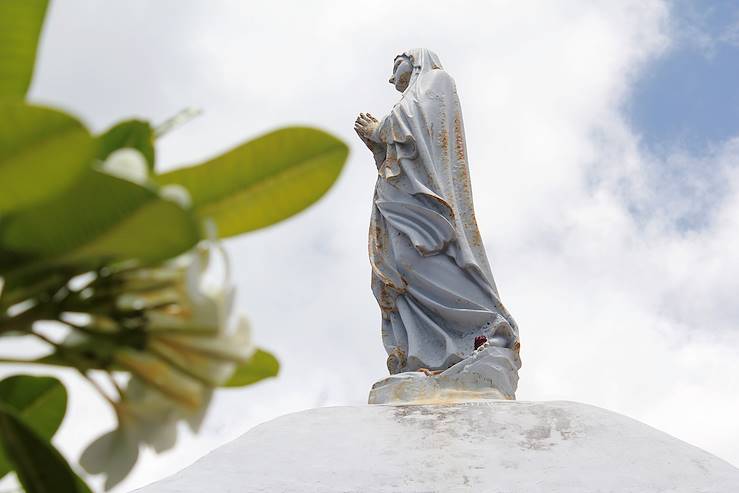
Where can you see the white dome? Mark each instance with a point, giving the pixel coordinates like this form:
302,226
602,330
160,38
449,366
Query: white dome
484,446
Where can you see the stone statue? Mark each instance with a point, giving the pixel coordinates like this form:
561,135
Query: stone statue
440,307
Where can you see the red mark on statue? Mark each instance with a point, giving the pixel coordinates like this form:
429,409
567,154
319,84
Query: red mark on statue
480,340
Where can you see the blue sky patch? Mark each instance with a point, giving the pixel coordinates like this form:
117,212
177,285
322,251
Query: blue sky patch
689,98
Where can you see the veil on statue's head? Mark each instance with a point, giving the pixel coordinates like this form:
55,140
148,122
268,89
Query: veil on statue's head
423,61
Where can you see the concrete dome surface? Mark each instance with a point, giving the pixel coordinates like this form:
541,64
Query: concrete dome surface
483,446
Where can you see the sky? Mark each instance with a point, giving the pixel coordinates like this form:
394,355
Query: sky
689,98
604,154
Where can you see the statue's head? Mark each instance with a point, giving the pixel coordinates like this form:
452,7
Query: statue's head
402,71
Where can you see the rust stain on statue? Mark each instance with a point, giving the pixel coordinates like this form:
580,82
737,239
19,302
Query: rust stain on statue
444,141
458,137
387,301
443,132
396,360
378,238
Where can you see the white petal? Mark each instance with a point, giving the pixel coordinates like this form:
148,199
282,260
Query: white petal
113,454
128,164
177,194
202,366
172,383
235,345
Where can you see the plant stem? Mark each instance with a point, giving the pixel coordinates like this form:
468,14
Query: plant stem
118,389
17,295
18,361
53,344
23,322
97,387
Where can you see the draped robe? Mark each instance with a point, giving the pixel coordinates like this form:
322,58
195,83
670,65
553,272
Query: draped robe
430,274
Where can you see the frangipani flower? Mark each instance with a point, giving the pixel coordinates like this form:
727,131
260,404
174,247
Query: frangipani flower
209,359
192,342
145,417
190,328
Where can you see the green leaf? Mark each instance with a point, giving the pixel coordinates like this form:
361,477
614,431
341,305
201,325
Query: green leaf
136,134
262,365
263,181
39,466
20,27
100,218
42,151
40,402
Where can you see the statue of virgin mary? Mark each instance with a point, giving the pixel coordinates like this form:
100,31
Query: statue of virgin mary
430,275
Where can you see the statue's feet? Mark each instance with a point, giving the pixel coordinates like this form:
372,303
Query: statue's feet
396,361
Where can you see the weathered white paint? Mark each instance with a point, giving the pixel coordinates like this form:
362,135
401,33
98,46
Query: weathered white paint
485,446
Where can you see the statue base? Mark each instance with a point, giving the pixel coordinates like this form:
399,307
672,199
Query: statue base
491,372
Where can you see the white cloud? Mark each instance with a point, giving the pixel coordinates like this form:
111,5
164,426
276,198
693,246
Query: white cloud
616,309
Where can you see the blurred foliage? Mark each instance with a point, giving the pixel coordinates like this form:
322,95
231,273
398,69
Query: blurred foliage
40,402
108,263
263,365
42,151
20,27
133,134
262,181
39,466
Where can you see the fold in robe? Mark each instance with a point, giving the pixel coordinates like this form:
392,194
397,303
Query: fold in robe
430,274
